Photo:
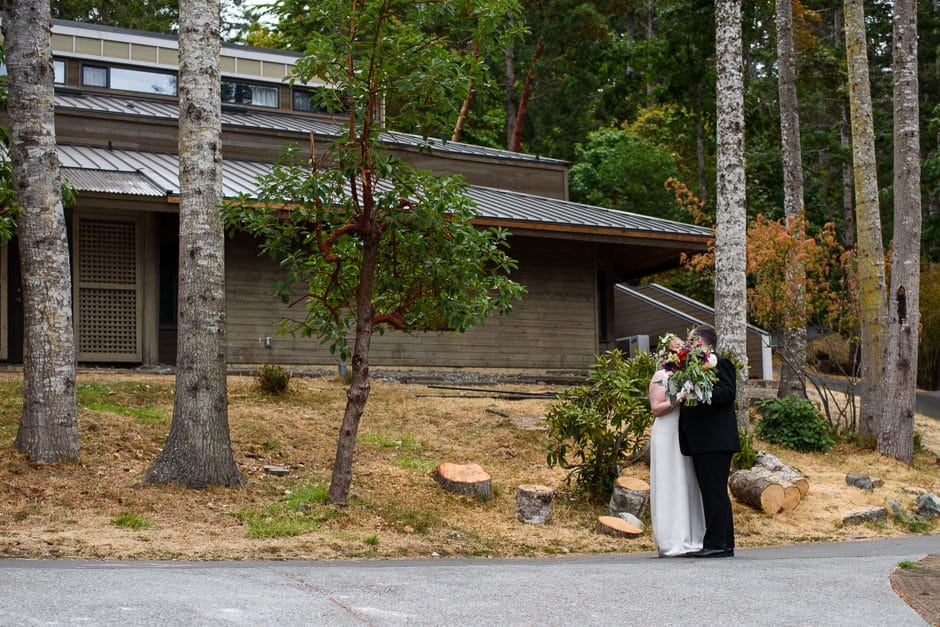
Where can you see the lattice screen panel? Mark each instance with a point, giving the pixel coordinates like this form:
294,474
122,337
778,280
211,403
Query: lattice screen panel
107,290
109,321
109,252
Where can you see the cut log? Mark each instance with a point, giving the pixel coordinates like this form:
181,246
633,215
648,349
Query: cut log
466,479
630,495
773,463
618,527
758,489
534,503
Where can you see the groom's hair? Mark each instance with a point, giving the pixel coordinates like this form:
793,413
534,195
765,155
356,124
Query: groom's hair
707,333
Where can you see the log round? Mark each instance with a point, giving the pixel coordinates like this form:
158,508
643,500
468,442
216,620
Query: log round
618,527
773,463
466,479
758,490
630,495
534,503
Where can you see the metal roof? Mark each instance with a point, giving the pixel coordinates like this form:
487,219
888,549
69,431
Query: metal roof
113,181
274,121
121,171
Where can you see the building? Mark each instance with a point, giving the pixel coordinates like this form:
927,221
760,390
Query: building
116,128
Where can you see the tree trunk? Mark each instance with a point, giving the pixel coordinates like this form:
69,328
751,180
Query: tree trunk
761,490
524,99
198,451
510,87
48,429
773,463
731,219
896,432
700,145
465,479
793,349
359,386
871,272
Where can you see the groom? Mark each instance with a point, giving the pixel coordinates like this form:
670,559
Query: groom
708,433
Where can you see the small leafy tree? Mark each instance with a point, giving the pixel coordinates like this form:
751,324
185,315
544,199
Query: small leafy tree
595,427
373,242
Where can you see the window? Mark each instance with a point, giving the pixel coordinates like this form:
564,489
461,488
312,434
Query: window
58,68
307,100
249,94
129,80
94,76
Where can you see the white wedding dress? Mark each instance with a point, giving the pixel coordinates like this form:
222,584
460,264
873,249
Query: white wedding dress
675,501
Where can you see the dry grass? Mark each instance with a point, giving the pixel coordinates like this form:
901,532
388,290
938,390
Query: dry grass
68,510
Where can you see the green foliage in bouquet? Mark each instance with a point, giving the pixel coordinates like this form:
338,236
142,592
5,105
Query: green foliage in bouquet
595,427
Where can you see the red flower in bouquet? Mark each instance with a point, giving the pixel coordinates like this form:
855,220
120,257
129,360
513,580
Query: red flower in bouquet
691,370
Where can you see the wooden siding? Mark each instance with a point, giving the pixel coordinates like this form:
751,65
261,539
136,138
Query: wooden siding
636,317
98,129
553,327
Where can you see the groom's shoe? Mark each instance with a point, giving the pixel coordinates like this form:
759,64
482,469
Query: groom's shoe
711,553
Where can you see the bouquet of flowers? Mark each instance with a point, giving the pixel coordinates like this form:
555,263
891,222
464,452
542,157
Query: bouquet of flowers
691,369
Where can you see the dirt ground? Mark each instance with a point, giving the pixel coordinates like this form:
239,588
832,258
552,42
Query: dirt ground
98,508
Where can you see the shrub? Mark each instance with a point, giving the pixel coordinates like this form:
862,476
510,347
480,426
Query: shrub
745,458
594,427
273,379
792,422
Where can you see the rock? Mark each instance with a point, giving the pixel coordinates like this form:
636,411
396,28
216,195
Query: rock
277,471
873,515
928,506
897,512
860,481
631,519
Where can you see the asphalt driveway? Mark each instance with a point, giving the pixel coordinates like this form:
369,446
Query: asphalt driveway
819,584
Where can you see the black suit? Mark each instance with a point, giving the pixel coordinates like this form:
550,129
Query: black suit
709,434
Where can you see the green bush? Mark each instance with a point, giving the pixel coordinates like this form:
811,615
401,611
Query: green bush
745,458
792,422
594,427
273,379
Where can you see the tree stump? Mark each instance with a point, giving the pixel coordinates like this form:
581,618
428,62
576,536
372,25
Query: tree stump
762,490
630,495
534,503
617,527
466,479
773,463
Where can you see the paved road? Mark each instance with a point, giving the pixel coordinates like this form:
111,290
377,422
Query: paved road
822,584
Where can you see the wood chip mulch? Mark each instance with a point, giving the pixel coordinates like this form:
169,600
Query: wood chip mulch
920,587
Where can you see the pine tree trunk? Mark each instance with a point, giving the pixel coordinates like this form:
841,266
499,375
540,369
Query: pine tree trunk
731,226
896,432
793,350
48,429
871,272
359,386
198,451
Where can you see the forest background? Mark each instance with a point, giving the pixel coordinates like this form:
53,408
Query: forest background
626,92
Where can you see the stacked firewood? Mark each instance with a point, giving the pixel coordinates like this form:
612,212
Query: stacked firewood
770,485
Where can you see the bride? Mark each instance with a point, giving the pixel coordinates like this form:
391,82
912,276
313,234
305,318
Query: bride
675,501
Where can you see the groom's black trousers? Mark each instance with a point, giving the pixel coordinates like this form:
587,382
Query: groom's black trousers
712,470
